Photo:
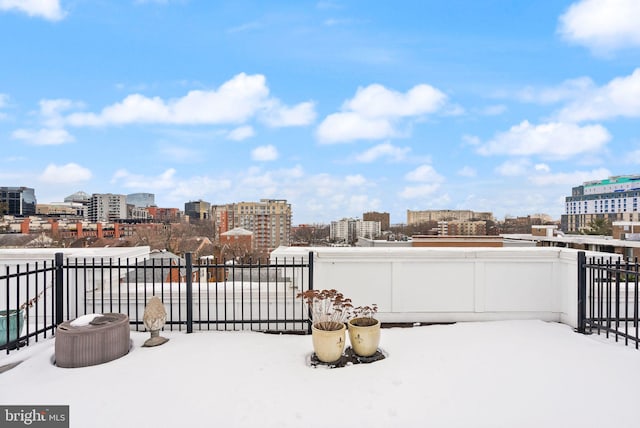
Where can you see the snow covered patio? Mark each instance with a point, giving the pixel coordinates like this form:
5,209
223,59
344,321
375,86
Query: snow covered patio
477,374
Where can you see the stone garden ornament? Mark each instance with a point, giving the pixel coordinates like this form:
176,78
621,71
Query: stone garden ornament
155,316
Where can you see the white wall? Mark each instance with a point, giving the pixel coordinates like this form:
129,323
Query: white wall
451,284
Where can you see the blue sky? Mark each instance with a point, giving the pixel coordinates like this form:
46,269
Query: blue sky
340,107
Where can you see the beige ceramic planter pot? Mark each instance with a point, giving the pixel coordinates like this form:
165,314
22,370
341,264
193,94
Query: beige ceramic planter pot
328,344
364,339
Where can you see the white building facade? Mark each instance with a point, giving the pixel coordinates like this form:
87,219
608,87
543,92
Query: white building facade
107,207
350,229
615,199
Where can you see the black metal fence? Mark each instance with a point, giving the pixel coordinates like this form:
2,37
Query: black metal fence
608,297
28,305
207,295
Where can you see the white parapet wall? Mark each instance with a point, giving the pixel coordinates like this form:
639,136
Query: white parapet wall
451,284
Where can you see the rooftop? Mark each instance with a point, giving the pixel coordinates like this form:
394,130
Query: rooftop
475,374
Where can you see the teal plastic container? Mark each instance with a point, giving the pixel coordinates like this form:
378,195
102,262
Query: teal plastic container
14,323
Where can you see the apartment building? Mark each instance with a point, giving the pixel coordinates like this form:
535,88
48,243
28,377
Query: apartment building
350,229
269,220
107,207
615,199
383,218
462,228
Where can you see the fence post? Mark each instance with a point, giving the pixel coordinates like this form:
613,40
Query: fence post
310,320
582,291
310,270
58,288
189,269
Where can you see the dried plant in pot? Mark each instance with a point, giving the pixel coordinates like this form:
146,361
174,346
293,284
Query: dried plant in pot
364,331
329,311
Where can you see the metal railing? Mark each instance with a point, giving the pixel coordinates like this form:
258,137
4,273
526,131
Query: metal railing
207,295
608,297
28,307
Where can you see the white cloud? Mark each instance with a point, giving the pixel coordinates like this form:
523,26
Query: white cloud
198,187
377,101
361,203
568,90
47,9
542,167
65,174
345,127
554,140
602,25
428,177
43,137
619,97
51,111
321,195
375,110
383,150
355,180
53,107
264,153
471,140
278,115
514,167
261,184
422,191
467,171
165,180
179,153
453,110
241,133
569,179
424,173
234,102
174,188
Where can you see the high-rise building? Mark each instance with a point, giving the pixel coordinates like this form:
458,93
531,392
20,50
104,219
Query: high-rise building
269,220
197,210
141,200
615,199
18,201
383,218
107,207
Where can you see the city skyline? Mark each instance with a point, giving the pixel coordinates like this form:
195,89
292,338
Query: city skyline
339,107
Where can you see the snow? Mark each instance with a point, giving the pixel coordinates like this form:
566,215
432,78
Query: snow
84,320
482,374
